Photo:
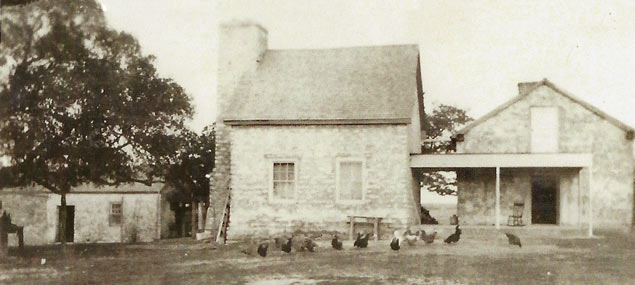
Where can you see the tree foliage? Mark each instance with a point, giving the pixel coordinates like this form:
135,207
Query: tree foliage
443,121
194,161
81,103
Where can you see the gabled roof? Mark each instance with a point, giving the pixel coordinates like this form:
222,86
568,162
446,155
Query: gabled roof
356,85
528,89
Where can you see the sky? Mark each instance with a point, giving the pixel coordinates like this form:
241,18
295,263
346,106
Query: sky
473,53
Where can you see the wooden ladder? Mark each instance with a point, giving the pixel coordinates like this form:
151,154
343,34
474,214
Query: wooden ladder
224,224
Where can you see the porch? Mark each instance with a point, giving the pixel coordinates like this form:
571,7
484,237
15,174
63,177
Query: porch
555,188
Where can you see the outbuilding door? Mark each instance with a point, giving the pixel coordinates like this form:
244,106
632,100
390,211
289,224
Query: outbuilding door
544,200
70,223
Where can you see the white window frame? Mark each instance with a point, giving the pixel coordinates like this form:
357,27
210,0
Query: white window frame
272,198
111,214
338,162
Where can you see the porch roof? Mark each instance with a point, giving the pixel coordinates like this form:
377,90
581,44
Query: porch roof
453,161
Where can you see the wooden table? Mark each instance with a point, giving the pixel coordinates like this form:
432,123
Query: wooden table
366,219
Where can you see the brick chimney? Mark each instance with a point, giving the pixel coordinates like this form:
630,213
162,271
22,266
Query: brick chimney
242,45
524,87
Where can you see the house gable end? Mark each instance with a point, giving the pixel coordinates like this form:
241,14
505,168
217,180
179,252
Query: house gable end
529,89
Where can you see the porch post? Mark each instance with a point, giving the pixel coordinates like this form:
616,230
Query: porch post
579,199
590,201
498,197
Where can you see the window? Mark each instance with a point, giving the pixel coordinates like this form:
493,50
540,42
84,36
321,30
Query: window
115,214
283,181
544,129
350,180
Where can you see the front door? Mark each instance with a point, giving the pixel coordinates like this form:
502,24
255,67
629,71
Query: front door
544,197
70,223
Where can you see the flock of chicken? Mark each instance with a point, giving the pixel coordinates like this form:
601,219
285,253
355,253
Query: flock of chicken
302,243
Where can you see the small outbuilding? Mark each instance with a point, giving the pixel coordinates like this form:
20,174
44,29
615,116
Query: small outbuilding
128,213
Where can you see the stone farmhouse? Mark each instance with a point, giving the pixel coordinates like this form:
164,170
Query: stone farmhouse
306,138
568,163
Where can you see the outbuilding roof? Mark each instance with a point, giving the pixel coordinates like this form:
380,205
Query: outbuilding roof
376,84
528,88
90,188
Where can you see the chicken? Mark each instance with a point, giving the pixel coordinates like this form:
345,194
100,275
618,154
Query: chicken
286,247
453,238
364,241
356,242
262,249
309,244
395,243
298,242
513,239
337,244
428,238
249,247
410,238
361,242
278,241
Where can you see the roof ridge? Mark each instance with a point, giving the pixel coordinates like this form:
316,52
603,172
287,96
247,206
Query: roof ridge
345,47
545,82
589,106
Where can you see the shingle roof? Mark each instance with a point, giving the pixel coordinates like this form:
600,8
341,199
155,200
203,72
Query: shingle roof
357,83
529,87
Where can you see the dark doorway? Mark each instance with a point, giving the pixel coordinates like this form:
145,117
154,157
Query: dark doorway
182,226
70,223
544,199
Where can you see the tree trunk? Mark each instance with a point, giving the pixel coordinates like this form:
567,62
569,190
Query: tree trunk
194,223
62,220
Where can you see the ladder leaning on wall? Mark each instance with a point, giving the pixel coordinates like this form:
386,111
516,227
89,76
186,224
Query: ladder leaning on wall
224,224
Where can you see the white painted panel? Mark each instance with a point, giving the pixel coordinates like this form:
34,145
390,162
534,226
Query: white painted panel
544,129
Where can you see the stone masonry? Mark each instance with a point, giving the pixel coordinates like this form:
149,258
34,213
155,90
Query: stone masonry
241,45
315,149
580,131
36,210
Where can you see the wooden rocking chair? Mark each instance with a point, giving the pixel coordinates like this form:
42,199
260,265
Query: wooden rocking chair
516,219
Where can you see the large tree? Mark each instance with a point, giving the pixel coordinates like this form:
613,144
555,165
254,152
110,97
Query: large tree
82,104
189,175
443,121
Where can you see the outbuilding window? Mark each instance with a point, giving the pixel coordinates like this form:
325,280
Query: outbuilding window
350,180
115,214
284,177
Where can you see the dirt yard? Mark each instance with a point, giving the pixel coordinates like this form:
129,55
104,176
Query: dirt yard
607,260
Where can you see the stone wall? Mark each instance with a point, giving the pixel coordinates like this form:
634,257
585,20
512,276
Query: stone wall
477,196
580,131
28,208
37,211
316,149
139,221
